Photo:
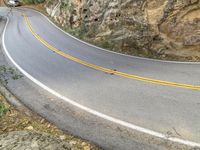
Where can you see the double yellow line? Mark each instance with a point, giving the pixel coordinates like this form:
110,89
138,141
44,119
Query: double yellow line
107,70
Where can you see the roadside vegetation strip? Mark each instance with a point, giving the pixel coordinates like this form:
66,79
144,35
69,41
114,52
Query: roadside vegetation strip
107,70
21,125
3,109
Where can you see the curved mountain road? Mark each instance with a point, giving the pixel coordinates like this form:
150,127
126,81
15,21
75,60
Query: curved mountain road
159,98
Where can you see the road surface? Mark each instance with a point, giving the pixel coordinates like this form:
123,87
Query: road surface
159,98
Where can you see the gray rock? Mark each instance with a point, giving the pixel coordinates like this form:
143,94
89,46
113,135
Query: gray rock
24,140
138,27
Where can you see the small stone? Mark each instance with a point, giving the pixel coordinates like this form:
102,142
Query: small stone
34,144
4,128
42,121
29,128
83,144
62,137
86,148
72,142
11,115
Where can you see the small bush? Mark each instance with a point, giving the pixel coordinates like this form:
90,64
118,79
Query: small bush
3,109
8,73
106,44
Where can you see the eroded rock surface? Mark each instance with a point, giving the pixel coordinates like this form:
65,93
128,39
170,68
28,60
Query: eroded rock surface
153,28
23,140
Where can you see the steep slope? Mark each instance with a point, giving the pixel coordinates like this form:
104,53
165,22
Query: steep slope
167,29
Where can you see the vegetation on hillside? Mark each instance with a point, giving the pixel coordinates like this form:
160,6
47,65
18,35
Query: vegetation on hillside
3,109
12,119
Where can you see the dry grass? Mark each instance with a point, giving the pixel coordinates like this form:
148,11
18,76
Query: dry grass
18,120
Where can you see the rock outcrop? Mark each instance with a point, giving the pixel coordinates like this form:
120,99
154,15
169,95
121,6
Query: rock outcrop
167,29
31,140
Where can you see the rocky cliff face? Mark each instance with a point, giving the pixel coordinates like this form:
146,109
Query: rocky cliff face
153,28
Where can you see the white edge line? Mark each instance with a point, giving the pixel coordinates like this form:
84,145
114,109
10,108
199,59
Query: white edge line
91,111
110,51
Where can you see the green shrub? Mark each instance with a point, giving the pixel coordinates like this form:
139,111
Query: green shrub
106,44
8,73
3,109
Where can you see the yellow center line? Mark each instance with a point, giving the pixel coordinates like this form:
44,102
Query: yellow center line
107,70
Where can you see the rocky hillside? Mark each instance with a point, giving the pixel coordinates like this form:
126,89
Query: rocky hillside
166,29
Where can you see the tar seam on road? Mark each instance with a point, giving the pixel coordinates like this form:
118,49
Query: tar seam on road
89,110
107,70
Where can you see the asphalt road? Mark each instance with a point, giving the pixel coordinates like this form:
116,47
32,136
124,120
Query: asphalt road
168,104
